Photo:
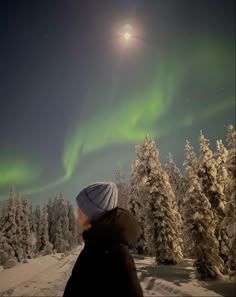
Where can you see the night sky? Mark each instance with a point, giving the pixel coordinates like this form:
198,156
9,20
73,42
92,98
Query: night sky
76,96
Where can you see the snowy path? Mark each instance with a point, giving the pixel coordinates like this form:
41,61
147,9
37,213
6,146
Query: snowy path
43,276
179,280
47,276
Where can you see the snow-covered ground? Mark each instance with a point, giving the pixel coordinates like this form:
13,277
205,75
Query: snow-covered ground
47,276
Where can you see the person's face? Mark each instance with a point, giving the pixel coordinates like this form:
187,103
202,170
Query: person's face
83,219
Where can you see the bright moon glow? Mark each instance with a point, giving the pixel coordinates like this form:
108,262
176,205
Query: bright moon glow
127,36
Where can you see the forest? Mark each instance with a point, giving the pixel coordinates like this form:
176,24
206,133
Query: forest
180,215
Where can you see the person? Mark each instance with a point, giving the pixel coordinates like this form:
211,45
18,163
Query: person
105,266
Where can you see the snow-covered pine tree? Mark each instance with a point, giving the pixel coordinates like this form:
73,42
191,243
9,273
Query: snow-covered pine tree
53,216
50,204
190,161
46,246
2,216
31,217
222,180
33,229
123,194
37,221
26,232
214,191
132,188
19,219
6,250
178,184
221,155
200,222
135,204
123,188
161,221
229,222
70,236
73,238
58,220
58,244
8,238
231,137
147,156
176,180
164,229
66,226
207,172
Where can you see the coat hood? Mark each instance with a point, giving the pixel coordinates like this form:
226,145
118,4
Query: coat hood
116,226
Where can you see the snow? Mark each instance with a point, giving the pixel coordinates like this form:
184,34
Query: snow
47,276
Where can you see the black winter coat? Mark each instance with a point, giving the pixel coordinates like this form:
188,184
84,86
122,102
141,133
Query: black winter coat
105,267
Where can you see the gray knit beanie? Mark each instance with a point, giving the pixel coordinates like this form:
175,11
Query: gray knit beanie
96,199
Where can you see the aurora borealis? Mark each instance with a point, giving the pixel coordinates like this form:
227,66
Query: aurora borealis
75,99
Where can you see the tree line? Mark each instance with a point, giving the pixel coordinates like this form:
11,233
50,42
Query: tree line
179,215
27,232
190,214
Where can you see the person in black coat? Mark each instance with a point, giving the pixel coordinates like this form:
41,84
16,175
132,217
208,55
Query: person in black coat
104,267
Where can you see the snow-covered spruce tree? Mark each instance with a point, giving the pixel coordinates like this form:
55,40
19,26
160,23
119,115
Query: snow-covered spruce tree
46,246
66,225
2,216
214,191
59,225
161,220
135,205
123,194
231,137
27,243
207,172
190,160
176,181
73,238
123,188
63,226
59,243
200,221
138,196
165,232
31,217
33,229
51,215
222,180
178,184
19,219
52,208
221,155
8,238
6,251
229,222
37,221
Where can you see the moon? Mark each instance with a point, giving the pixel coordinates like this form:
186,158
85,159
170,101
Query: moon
127,36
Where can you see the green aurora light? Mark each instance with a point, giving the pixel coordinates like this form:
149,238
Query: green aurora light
17,172
135,117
